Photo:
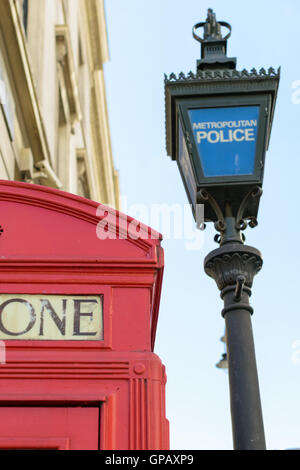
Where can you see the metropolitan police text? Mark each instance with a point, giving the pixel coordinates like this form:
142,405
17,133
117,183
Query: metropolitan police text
228,131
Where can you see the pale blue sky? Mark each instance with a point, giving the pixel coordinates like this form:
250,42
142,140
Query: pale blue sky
146,40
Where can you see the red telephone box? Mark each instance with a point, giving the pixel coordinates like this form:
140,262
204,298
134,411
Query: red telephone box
79,298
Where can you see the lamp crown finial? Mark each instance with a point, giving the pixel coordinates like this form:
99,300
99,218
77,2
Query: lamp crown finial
212,29
213,44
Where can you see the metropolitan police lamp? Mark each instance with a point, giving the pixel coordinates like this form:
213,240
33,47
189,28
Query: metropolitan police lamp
218,125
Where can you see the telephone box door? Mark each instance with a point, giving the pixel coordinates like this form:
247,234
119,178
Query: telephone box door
49,428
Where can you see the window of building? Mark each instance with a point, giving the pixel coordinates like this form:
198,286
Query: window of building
11,128
23,6
6,99
80,52
63,141
25,14
82,183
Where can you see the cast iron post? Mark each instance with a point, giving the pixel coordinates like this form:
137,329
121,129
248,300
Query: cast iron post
233,267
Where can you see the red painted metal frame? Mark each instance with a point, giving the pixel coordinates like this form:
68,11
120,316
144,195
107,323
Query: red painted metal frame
34,443
49,427
49,245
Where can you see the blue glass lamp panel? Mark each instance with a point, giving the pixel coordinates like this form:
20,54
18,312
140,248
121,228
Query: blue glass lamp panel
185,164
226,139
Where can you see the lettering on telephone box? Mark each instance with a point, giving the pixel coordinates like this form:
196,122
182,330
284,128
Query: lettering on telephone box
51,317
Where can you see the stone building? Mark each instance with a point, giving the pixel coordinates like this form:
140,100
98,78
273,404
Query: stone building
54,128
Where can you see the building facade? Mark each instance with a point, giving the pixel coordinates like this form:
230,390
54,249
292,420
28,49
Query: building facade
53,118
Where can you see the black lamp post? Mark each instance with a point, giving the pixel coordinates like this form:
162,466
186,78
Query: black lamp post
218,125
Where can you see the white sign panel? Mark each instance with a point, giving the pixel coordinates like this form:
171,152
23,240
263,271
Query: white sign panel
51,317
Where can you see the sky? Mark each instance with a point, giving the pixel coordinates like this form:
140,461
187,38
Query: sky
147,40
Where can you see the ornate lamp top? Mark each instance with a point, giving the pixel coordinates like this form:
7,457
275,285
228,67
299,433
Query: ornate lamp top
213,44
212,28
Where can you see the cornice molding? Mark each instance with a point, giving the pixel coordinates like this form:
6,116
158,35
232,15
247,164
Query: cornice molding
66,61
97,33
100,116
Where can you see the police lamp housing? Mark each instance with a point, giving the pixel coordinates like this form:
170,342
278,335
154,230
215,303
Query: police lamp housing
218,125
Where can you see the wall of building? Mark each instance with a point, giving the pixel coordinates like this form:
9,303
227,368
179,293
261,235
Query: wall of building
53,116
